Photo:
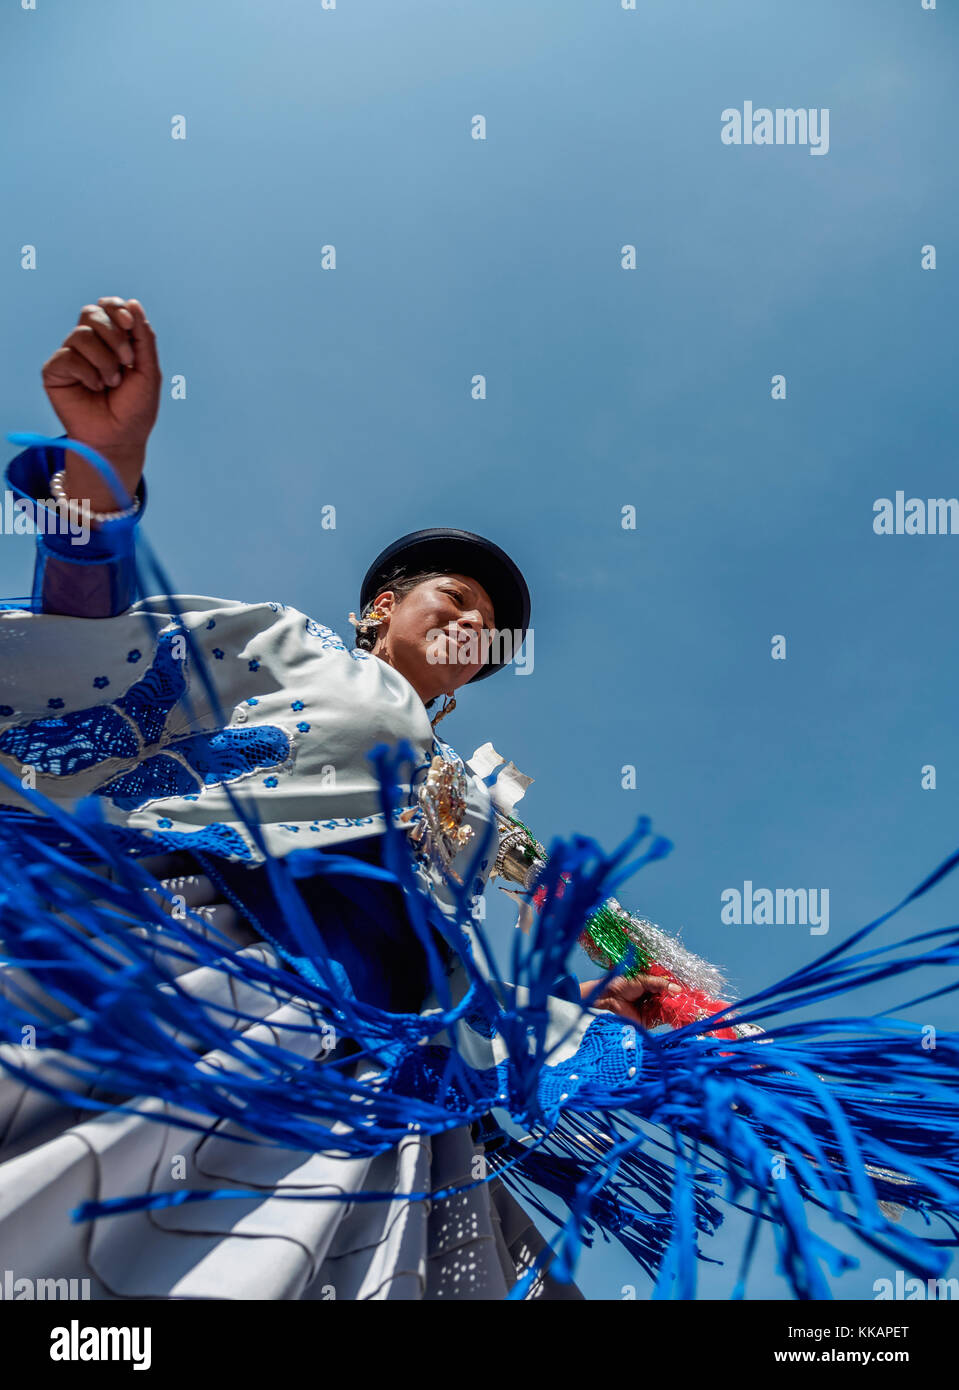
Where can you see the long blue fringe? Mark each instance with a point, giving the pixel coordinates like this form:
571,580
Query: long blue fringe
641,1137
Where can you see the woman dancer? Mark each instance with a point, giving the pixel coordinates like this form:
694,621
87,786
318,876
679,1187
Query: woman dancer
307,984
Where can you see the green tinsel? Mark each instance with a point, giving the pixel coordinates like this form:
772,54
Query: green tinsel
607,943
604,939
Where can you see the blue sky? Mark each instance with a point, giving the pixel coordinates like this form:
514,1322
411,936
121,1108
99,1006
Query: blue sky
606,388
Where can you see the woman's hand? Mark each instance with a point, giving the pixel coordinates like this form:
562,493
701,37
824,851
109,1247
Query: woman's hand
104,384
637,999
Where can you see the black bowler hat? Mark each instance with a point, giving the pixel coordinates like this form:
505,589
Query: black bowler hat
459,552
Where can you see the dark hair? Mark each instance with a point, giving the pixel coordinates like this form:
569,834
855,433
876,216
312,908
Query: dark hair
400,582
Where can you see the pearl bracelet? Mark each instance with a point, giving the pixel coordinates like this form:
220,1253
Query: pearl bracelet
59,493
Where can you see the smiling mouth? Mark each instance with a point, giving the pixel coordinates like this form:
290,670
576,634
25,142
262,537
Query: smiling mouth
460,643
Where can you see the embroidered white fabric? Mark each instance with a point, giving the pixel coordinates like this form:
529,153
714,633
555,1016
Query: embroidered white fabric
302,713
323,706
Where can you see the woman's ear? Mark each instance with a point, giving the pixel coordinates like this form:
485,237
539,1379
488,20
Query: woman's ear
385,602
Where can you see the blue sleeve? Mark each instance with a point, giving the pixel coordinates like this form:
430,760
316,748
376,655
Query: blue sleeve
83,574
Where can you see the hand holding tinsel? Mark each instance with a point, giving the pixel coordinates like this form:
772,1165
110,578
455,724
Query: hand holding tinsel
616,939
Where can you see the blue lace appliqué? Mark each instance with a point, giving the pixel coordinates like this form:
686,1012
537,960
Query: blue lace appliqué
66,744
217,839
599,1061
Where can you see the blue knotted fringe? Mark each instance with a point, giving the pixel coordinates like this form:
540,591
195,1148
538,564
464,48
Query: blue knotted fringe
905,1107
634,1134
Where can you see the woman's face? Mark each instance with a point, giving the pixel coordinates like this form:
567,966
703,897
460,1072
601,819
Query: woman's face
438,635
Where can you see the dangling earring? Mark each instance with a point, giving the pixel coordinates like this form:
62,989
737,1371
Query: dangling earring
368,624
449,704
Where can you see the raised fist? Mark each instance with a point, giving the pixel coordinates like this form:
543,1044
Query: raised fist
104,384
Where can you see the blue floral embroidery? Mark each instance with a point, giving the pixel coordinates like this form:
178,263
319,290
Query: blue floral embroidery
5,710
270,781
218,653
164,823
101,681
254,666
297,704
55,703
328,638
211,623
132,724
134,655
253,701
303,727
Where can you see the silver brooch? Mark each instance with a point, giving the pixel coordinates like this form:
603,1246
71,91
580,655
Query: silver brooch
436,828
